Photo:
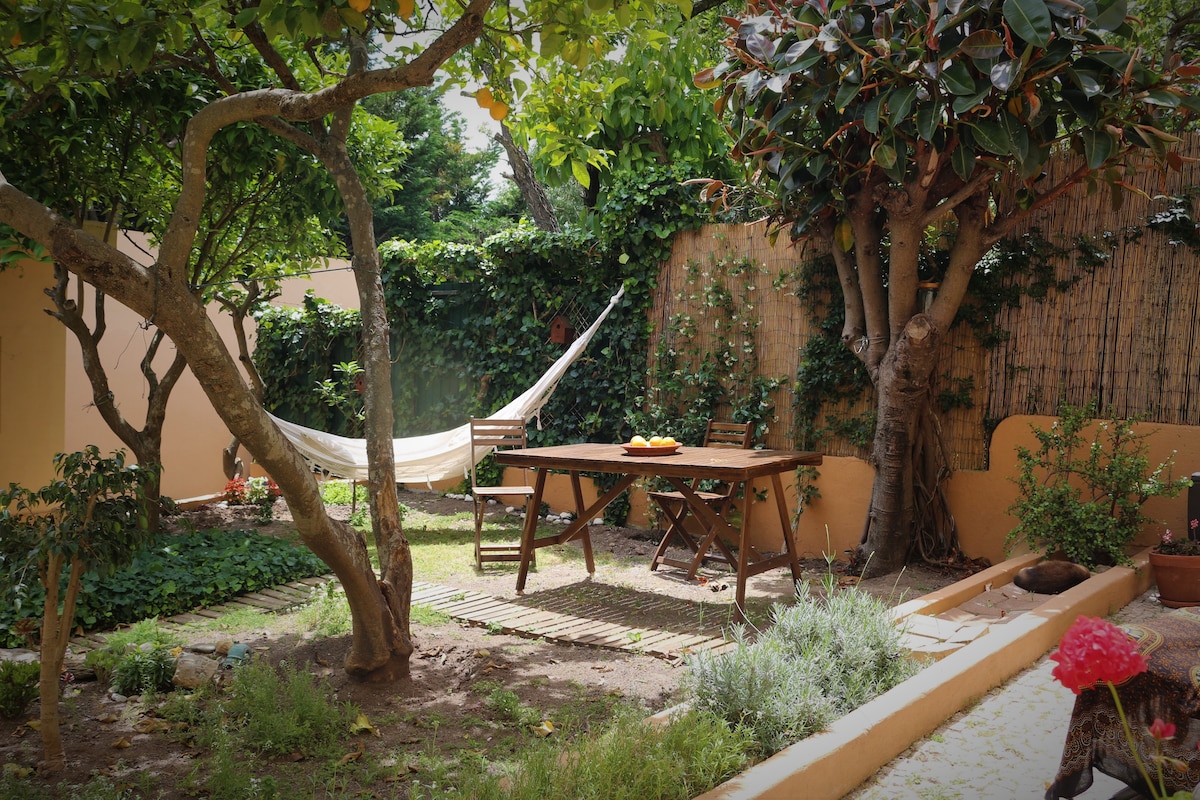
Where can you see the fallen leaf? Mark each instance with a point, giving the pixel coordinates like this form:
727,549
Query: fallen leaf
34,724
545,729
363,725
151,724
602,668
122,743
107,718
346,759
321,660
482,653
615,693
17,771
296,756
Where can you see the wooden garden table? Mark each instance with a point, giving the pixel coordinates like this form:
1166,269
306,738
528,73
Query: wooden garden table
717,463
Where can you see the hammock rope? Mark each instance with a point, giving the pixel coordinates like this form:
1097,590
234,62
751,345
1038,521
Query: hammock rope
435,456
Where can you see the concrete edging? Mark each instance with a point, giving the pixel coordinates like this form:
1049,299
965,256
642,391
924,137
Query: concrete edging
837,760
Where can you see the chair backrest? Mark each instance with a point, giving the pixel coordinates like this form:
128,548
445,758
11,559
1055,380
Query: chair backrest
728,434
495,434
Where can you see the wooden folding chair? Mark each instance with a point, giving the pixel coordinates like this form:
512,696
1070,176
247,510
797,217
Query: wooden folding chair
718,434
495,434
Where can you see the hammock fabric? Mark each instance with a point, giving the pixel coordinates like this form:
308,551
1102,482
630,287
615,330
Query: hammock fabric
434,456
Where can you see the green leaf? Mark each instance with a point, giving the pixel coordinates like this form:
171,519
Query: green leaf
871,114
992,137
1111,14
1098,146
957,79
1005,74
580,171
900,102
983,45
885,156
847,91
963,160
1030,20
929,116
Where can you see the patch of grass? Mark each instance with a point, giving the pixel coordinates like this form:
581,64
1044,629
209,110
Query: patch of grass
327,613
629,760
424,615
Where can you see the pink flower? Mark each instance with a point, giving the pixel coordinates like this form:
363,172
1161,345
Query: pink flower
1162,731
1094,651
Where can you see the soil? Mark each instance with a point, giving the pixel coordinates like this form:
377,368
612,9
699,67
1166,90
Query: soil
444,704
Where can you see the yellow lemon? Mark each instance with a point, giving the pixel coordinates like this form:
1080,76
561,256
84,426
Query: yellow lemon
638,441
656,441
360,5
668,441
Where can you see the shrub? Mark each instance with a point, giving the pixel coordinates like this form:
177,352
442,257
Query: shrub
289,711
144,671
820,659
18,687
1084,499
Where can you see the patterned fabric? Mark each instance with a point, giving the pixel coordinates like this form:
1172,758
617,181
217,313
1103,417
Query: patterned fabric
1169,690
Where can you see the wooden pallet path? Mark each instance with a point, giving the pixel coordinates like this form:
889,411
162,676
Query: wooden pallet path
566,619
276,599
553,620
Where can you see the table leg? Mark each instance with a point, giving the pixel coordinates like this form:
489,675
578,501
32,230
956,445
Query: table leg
739,598
530,528
785,524
579,511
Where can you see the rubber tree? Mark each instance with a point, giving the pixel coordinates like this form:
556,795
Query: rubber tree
878,126
310,62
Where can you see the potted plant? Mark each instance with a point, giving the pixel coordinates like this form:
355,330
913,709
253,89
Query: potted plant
1082,500
1176,565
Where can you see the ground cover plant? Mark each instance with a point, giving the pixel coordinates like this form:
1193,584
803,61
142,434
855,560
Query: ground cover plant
481,705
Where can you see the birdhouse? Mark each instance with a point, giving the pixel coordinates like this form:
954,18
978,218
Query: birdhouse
561,331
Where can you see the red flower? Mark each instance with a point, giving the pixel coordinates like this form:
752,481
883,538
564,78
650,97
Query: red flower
1094,651
1162,731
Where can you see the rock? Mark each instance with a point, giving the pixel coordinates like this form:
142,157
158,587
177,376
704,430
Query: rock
117,697
193,670
203,649
20,655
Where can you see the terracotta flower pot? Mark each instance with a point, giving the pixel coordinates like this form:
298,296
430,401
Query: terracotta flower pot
1178,579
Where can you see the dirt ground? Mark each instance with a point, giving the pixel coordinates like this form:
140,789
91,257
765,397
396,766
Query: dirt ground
444,705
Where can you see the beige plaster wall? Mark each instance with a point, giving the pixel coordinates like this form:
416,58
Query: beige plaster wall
32,378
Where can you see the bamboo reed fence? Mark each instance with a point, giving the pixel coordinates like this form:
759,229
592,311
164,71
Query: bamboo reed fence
1125,333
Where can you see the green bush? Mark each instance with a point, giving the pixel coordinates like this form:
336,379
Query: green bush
1084,498
820,659
170,575
285,711
18,687
143,671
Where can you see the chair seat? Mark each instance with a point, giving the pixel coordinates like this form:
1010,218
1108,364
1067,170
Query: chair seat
707,497
497,491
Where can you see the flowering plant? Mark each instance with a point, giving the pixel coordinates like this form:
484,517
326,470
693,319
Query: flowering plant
1168,545
1094,651
251,491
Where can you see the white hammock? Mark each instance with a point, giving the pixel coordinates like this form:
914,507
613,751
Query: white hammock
434,456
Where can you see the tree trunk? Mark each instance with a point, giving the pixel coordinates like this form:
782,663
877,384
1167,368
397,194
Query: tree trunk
145,443
532,191
903,397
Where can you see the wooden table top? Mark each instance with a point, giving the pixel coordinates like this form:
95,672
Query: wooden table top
721,463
